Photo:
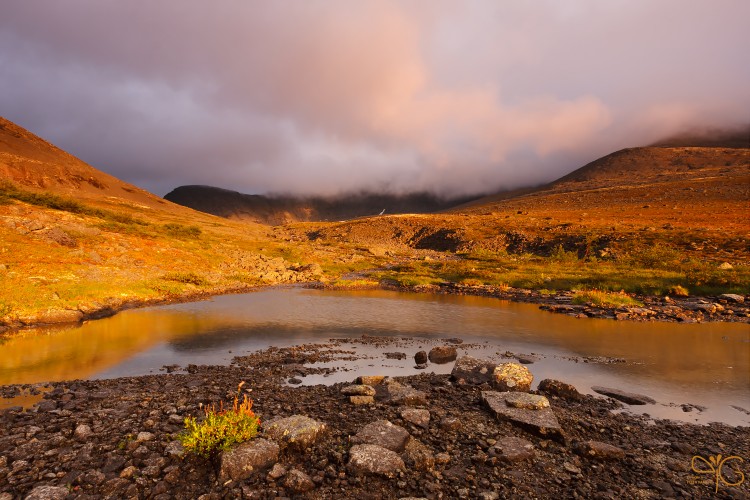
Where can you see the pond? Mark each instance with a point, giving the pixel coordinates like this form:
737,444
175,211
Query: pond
706,365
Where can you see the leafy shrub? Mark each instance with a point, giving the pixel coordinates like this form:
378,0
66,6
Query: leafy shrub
182,232
220,428
605,299
678,291
559,254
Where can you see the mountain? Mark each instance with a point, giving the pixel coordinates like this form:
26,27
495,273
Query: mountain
277,210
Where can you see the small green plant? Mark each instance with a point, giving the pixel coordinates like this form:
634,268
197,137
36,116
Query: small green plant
220,428
188,278
605,299
678,291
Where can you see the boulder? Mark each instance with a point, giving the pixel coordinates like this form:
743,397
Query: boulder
376,460
382,433
732,297
470,370
298,482
297,431
417,417
512,449
541,422
512,377
358,390
599,450
630,398
443,354
420,358
244,460
559,389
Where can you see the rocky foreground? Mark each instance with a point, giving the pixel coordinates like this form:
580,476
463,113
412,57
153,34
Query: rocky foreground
478,433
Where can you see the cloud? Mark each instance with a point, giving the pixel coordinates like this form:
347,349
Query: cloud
329,96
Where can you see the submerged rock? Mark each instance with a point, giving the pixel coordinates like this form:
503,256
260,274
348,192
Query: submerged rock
630,398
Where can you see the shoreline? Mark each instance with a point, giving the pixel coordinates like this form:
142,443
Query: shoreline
117,438
679,309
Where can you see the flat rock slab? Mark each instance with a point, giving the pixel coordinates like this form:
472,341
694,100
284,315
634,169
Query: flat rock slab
470,370
599,450
396,393
297,431
358,390
376,460
383,433
244,460
630,398
527,401
541,422
512,449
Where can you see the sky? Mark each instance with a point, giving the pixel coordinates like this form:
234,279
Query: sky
328,97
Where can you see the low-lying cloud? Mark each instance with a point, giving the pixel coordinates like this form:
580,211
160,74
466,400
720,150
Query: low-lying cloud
321,97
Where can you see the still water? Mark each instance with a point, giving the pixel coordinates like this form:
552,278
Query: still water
700,364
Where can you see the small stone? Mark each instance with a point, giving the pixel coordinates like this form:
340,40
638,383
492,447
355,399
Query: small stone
526,400
128,472
417,417
725,266
82,432
144,436
442,354
395,355
298,482
46,492
297,431
174,449
396,393
376,460
370,379
599,450
512,377
559,389
276,472
361,400
418,456
358,390
382,433
442,458
569,467
450,424
512,449
420,358
247,458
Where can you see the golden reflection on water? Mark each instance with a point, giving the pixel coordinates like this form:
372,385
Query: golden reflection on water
701,355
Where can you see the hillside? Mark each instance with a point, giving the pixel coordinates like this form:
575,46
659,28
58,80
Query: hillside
279,210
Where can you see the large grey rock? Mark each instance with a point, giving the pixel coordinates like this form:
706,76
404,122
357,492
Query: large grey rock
46,492
541,422
373,459
470,370
512,449
382,433
297,431
732,297
599,450
443,354
397,393
630,398
559,389
512,377
247,458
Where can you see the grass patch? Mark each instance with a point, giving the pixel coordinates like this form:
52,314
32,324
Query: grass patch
182,232
605,299
220,428
187,278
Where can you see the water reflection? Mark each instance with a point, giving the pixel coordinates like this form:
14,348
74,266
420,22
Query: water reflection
702,362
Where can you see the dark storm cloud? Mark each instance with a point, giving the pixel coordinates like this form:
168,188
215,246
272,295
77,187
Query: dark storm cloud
331,96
